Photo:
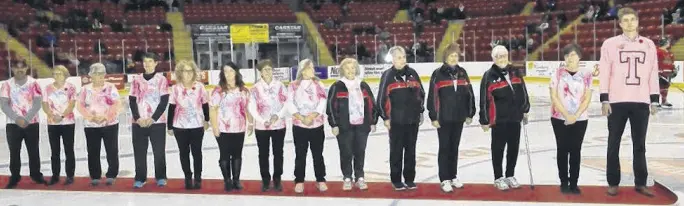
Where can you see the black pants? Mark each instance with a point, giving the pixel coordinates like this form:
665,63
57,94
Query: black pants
402,142
264,139
449,139
568,143
304,139
352,142
638,114
155,134
190,140
94,138
66,134
504,134
30,135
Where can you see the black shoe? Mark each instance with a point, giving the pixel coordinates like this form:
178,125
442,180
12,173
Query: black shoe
13,182
228,185
575,190
265,186
188,183
398,186
411,186
40,181
53,180
277,186
564,188
236,167
198,184
69,181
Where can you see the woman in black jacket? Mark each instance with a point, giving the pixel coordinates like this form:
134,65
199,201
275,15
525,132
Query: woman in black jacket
504,103
352,114
451,102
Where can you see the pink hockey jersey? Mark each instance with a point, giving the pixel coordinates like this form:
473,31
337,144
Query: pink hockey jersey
628,70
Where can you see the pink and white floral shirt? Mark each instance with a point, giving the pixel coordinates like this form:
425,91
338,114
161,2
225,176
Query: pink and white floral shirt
21,97
188,101
267,100
571,91
232,117
100,102
356,101
306,97
148,94
58,100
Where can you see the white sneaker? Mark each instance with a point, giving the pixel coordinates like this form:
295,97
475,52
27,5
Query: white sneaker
299,188
361,184
501,184
446,186
347,185
512,182
322,187
456,184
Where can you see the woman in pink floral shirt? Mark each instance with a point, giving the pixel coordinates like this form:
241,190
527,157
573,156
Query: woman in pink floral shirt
570,95
20,99
229,121
267,107
58,103
307,103
99,104
188,117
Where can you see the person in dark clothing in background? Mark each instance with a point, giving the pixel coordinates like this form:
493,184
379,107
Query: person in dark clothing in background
451,102
504,103
400,100
148,100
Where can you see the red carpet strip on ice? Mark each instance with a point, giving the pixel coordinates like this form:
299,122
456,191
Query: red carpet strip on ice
379,190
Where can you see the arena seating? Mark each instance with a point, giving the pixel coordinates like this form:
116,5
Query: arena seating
238,13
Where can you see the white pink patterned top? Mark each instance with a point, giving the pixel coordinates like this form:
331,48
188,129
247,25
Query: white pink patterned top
21,97
267,100
232,117
306,97
188,101
58,100
100,102
356,101
571,91
148,94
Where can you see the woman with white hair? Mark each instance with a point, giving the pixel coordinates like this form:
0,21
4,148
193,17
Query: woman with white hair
352,114
307,103
99,105
400,100
504,103
58,104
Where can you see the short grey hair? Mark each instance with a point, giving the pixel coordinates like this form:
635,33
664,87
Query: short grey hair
97,68
396,49
498,50
303,64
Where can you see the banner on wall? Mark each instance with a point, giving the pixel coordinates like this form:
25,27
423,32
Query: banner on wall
119,80
547,68
320,71
203,76
249,33
285,32
210,30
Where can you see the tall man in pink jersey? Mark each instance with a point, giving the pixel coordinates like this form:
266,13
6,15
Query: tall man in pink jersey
629,91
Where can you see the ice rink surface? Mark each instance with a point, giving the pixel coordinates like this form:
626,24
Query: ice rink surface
664,151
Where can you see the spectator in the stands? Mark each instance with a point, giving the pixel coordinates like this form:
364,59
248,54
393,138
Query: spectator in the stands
418,24
589,14
329,23
130,64
56,24
165,27
98,15
561,20
101,49
97,26
677,17
116,26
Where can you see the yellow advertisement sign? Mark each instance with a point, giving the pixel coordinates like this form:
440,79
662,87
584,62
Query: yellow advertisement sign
249,33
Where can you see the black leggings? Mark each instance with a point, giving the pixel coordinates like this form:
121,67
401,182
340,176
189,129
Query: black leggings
230,148
190,140
568,143
507,133
66,134
94,138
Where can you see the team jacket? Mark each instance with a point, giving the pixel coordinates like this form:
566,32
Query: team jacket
499,101
401,96
665,63
450,97
338,106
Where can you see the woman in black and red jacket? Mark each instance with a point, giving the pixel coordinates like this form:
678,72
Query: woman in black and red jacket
352,114
504,103
450,103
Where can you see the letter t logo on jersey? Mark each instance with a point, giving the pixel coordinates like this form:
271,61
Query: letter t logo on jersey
633,59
